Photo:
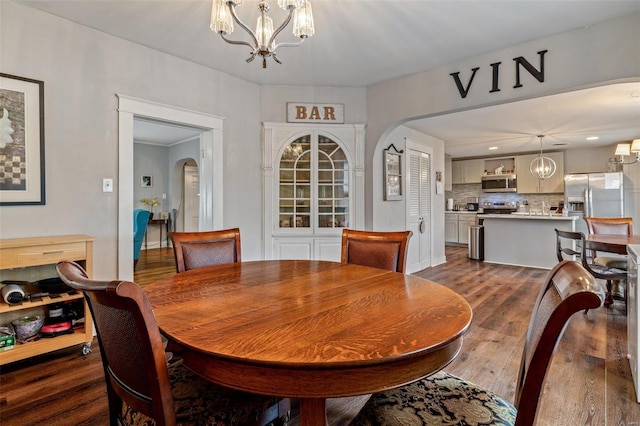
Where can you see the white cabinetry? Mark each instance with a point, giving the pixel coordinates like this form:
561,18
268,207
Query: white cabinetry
467,171
451,228
465,221
633,316
314,187
456,227
528,184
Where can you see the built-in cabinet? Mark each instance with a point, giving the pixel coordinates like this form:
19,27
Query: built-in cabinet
467,171
456,227
33,259
314,187
528,184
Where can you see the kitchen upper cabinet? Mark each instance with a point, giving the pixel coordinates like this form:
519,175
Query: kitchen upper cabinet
528,184
467,171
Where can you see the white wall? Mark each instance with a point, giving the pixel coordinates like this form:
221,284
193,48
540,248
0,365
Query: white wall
82,70
274,101
390,215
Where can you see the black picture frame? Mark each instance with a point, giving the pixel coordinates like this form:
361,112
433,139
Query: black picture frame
392,166
22,168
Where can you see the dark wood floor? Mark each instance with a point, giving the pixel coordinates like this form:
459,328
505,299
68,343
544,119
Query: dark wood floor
589,382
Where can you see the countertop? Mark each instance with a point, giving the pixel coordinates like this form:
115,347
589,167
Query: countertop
461,212
527,217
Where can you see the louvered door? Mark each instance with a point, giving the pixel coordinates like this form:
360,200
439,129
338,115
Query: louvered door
419,210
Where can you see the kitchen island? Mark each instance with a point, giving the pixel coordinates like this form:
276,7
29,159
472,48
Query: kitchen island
523,240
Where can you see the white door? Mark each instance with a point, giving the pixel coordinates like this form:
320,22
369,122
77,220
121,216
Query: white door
191,198
419,210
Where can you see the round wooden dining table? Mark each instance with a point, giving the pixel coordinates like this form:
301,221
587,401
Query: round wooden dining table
309,329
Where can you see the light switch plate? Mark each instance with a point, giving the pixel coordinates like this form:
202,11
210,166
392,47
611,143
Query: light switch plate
107,185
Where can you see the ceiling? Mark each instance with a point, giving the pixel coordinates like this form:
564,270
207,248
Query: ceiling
362,42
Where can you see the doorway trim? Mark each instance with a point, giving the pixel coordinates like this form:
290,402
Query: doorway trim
211,173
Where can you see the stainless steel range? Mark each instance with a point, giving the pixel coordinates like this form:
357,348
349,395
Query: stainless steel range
499,208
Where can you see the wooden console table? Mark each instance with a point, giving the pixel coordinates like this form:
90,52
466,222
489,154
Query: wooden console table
160,222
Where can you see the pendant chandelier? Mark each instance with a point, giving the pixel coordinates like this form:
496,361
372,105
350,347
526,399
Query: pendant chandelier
223,15
542,167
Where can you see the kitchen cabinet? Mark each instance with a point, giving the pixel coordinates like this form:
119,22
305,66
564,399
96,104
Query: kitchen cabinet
467,171
465,221
32,259
456,227
314,187
451,228
528,184
633,314
507,163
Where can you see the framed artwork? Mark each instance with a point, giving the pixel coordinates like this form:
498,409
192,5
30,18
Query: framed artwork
21,141
146,181
392,173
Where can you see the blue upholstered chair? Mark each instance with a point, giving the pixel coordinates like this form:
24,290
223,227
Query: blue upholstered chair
140,222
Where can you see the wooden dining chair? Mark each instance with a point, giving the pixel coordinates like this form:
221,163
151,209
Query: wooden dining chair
604,270
384,250
444,399
610,225
615,226
142,388
194,250
568,245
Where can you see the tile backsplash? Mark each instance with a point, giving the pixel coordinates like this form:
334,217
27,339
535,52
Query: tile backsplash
461,192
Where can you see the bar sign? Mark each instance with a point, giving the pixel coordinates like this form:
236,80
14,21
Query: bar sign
315,113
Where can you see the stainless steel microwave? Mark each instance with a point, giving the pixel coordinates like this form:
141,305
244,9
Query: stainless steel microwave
499,183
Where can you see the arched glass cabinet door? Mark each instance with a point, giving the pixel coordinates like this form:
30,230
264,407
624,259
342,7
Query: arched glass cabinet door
314,184
333,185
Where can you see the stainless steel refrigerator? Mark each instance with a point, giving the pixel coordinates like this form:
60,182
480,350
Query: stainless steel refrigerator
593,195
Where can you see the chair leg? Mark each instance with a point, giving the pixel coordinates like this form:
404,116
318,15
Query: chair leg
608,301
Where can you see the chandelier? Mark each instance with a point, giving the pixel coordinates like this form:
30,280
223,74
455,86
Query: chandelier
623,149
223,15
542,167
